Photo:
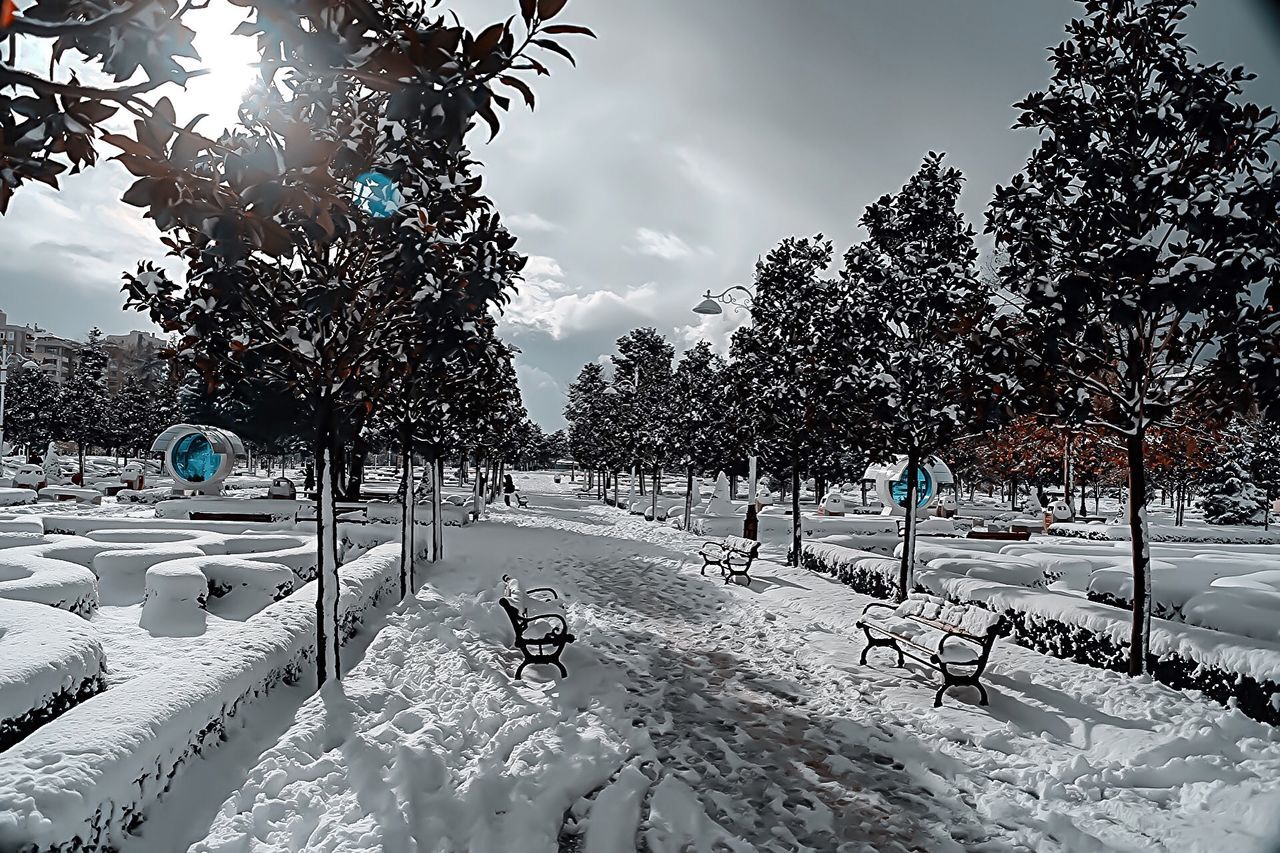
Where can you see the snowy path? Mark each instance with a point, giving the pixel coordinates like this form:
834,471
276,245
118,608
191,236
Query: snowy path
704,717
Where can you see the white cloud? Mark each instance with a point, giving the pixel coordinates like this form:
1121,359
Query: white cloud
538,306
661,244
530,222
540,266
716,329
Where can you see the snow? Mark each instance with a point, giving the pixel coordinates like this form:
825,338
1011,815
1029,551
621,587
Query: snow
91,772
729,717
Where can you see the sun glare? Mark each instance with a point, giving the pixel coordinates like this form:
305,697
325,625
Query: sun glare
230,62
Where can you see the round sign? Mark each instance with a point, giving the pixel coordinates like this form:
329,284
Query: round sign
377,195
193,458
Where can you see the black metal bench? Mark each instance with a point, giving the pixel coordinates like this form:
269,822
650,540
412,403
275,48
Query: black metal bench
522,501
955,639
541,638
733,555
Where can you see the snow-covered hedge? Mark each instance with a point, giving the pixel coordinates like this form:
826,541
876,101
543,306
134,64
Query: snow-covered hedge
868,573
83,781
1230,670
1169,533
26,576
49,661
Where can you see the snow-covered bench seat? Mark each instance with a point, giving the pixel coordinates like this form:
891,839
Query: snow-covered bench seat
954,639
541,636
733,555
49,661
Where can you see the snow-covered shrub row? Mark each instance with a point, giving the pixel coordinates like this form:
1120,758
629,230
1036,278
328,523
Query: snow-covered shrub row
27,576
85,780
16,497
278,510
869,574
1229,670
49,661
1169,533
80,525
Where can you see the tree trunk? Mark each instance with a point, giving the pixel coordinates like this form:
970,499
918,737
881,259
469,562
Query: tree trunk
1140,636
355,468
406,516
437,520
907,568
657,487
688,498
477,497
795,508
327,640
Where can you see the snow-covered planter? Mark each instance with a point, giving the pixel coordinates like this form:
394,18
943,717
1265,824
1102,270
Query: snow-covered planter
867,573
49,661
119,751
1169,533
58,583
143,496
1232,670
257,581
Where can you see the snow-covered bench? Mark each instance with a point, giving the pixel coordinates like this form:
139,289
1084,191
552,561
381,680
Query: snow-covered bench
541,637
733,555
954,639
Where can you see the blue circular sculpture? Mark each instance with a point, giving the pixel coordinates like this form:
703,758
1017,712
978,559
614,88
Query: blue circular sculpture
377,195
197,457
194,459
924,487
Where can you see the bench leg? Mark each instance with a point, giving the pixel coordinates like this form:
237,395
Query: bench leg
982,690
520,668
873,642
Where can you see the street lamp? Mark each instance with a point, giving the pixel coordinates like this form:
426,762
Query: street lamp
5,358
710,307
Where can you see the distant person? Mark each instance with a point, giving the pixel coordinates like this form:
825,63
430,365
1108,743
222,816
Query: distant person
508,489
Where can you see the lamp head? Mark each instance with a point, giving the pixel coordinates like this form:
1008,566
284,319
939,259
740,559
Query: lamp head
708,306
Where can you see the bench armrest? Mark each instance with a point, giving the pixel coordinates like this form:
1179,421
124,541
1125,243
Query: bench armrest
889,607
554,594
564,626
949,635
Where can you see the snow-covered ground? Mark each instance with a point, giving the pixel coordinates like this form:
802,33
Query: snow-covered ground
702,716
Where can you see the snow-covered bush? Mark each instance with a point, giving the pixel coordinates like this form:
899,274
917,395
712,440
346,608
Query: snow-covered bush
59,583
119,751
49,661
122,573
867,573
1230,497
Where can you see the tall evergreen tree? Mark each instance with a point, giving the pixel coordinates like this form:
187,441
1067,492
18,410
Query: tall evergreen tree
1139,240
696,391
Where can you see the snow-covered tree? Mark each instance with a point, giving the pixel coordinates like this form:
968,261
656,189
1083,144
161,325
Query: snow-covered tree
1137,240
642,395
697,391
1229,496
911,293
589,413
33,410
288,280
85,404
777,359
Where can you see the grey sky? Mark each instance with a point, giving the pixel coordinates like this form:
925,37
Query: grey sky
693,135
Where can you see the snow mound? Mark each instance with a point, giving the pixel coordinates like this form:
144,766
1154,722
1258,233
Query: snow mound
173,605
122,572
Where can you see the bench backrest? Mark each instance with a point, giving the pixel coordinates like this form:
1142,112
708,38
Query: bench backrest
746,547
959,618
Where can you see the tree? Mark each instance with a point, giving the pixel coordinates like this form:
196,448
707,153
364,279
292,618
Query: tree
780,399
1230,496
696,391
286,280
85,404
642,392
1138,239
590,413
33,409
911,296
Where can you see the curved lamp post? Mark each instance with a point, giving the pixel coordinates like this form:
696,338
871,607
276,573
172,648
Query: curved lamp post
740,297
6,358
